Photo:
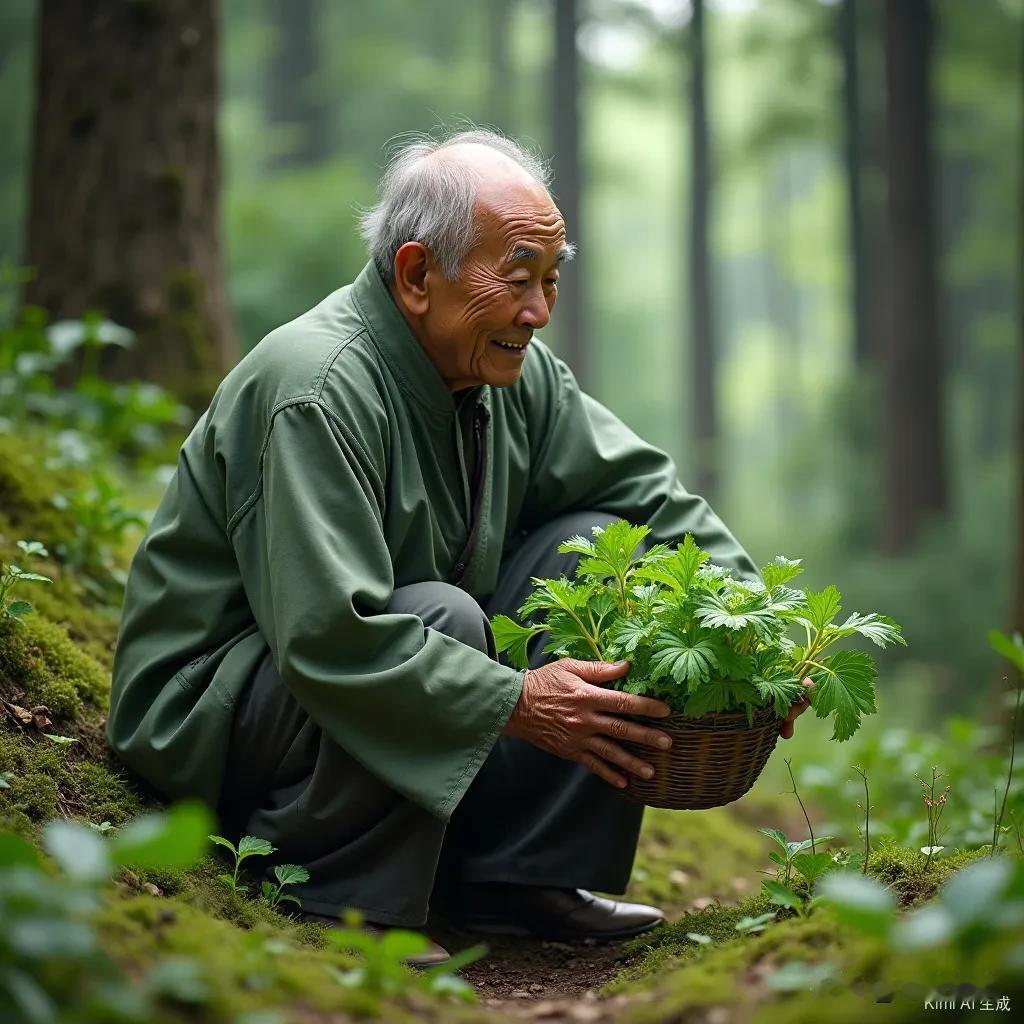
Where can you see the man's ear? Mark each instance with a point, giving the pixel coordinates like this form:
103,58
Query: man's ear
412,261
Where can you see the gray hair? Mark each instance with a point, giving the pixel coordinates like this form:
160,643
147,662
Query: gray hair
433,201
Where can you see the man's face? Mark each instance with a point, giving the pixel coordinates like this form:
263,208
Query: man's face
477,328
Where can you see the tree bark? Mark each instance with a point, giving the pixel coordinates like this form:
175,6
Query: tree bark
702,336
568,183
124,203
915,483
291,97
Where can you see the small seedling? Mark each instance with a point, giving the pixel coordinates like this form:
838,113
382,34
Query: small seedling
866,808
384,971
60,741
286,874
934,805
103,827
248,846
1012,650
13,575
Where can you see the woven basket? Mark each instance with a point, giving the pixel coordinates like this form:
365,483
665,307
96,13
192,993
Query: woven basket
713,760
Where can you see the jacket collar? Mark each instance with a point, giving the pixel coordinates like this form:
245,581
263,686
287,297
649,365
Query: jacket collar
401,348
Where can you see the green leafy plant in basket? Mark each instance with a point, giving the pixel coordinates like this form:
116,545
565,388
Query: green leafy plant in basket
697,637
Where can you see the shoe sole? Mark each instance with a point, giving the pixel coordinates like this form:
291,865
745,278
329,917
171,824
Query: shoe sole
484,926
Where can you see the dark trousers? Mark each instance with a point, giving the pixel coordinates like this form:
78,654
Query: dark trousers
528,817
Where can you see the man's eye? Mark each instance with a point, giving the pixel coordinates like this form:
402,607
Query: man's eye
519,280
551,281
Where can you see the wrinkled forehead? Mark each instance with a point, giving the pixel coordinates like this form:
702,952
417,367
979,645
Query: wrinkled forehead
520,215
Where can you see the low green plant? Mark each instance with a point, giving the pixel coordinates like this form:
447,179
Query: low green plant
248,846
286,874
935,804
53,968
697,637
383,969
12,576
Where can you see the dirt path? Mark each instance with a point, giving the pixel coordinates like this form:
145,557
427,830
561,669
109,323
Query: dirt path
536,980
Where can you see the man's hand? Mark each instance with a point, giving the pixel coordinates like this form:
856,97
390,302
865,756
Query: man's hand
565,709
795,711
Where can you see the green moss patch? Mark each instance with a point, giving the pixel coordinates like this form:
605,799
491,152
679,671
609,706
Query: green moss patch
903,870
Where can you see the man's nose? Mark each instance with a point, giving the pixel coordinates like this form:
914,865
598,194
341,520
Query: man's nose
534,312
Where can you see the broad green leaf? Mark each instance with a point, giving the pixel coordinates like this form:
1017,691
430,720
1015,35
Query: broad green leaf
846,687
976,892
576,545
173,839
780,570
79,851
221,841
717,610
813,865
879,629
19,608
821,608
291,874
776,835
719,695
782,895
732,664
34,576
678,570
782,599
859,901
777,858
254,846
513,639
398,944
15,852
781,693
1010,648
267,890
627,633
687,663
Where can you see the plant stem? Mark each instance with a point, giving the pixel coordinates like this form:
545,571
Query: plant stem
810,831
867,815
998,822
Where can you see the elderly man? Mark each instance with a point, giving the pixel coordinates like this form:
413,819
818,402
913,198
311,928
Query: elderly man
305,641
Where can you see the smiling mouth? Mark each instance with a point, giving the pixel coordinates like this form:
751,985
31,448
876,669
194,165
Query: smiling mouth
510,346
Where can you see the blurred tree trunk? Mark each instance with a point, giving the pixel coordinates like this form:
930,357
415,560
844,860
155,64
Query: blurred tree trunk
915,483
123,212
292,99
848,44
568,184
499,23
1018,611
702,340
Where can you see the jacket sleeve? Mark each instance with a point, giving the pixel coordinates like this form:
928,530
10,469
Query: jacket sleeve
417,708
587,458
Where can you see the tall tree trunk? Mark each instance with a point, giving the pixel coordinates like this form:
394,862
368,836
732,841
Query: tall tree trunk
123,211
291,97
913,364
499,24
702,337
568,183
852,158
1018,611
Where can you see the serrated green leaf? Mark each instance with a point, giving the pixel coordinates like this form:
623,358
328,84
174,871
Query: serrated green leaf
677,570
781,692
780,570
718,695
291,874
821,608
221,841
782,895
627,633
254,846
513,639
718,611
812,865
732,664
18,608
686,662
776,835
844,686
879,629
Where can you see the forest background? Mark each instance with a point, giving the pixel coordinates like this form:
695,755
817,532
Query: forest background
799,222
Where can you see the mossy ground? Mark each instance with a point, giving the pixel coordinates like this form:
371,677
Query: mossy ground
253,958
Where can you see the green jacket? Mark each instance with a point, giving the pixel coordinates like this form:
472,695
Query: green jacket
327,471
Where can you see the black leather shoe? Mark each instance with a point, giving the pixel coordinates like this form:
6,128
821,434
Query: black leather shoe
499,908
